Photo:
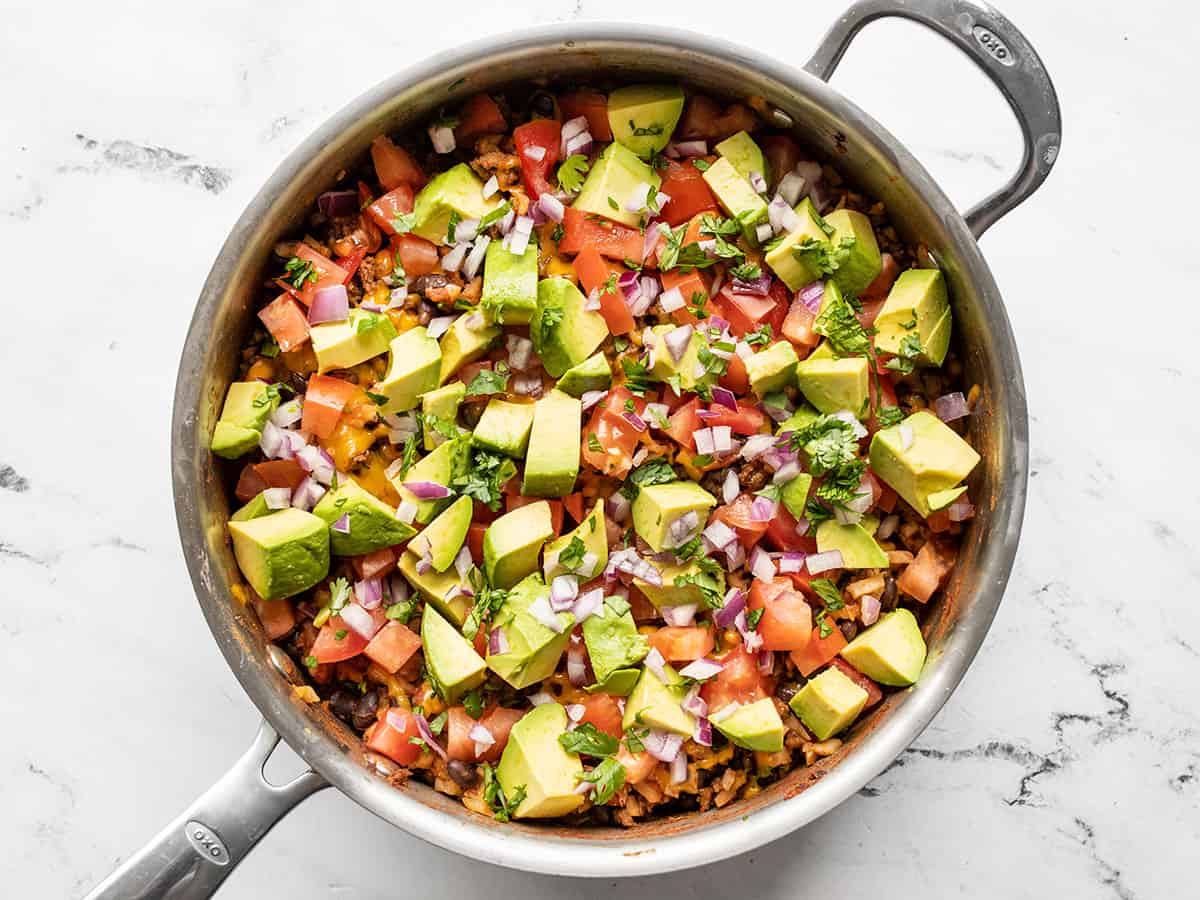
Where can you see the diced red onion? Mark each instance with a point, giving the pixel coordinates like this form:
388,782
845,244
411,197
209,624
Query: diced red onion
588,604
811,295
778,413
763,232
824,562
702,734
551,206
342,525
720,534
425,731
791,561
636,201
681,529
336,204
427,490
663,745
425,563
590,398
635,420
724,712
520,352
671,300
756,445
781,215
961,509
751,638
359,621
527,385
456,256
618,507
649,242
725,397
763,509
288,414
887,527
766,662
572,127
950,407
679,616
802,526
655,662
581,143
755,287
466,230
406,511
541,610
537,154
442,139
563,591
490,187
701,670
497,642
687,149
787,472
732,486
330,304
758,182
791,186
470,266
278,497
722,438
576,667
369,592
735,602
463,561
482,738
541,698
677,340
307,494
762,567
439,326
869,611
704,440
679,768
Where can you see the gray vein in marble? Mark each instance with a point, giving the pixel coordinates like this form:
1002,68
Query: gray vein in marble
1034,764
150,159
1183,779
12,481
16,553
1110,875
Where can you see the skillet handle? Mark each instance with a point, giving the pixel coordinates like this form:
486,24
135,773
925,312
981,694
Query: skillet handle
996,46
191,857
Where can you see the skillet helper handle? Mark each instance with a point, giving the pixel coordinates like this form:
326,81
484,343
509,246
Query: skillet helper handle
996,46
191,857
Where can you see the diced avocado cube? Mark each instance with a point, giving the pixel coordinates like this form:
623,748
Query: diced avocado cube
917,311
857,546
449,657
533,650
509,284
343,345
552,461
441,405
462,344
620,683
443,537
772,369
512,543
665,367
659,506
612,641
534,759
592,535
504,427
439,467
942,499
442,590
795,494
682,584
593,374
755,726
613,177
796,271
892,651
642,116
281,554
804,416
744,155
413,366
737,197
373,524
829,703
832,384
564,333
252,510
248,405
863,262
655,704
921,457
457,190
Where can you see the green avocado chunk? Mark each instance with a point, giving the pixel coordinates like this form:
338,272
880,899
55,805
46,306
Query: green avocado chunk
829,703
922,459
665,367
804,416
512,543
442,590
772,369
413,370
252,510
509,284
737,197
440,467
917,311
343,345
449,657
683,583
248,405
533,650
620,683
655,704
832,384
462,344
283,553
504,427
744,155
372,523
457,190
658,506
534,760
755,726
612,640
592,536
643,116
552,461
614,175
593,374
863,261
795,495
792,271
444,536
892,651
858,548
441,405
564,333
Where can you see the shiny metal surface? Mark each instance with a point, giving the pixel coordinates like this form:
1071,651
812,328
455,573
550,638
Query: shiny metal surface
868,156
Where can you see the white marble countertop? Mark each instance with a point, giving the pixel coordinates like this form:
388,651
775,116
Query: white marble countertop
1068,762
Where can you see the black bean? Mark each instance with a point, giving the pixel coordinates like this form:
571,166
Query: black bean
849,629
365,708
462,772
888,600
425,312
786,691
542,104
425,283
341,704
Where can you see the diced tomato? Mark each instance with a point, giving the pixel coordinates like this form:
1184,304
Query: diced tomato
782,154
786,622
375,564
475,533
874,692
684,422
748,419
546,135
324,400
611,239
417,255
395,166
737,516
603,712
328,275
480,115
781,533
745,312
739,680
689,192
617,439
683,643
735,378
516,501
330,648
593,106
869,312
276,616
638,766
887,499
395,202
498,720
641,608
393,646
286,321
783,299
257,477
925,574
700,120
939,521
884,280
819,650
349,264
392,736
692,286
573,503
798,327
594,272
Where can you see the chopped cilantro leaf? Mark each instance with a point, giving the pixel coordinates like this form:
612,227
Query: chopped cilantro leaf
571,172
